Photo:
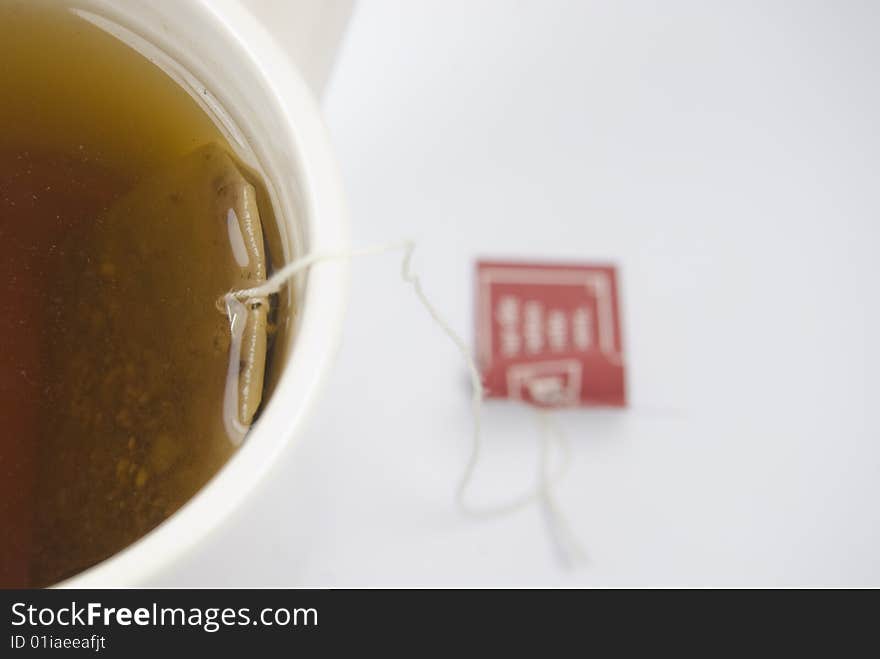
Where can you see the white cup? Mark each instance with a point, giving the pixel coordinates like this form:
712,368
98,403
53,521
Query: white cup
218,48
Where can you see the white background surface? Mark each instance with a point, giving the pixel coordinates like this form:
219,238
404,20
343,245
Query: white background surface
726,157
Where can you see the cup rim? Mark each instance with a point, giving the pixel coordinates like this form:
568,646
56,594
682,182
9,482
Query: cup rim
320,320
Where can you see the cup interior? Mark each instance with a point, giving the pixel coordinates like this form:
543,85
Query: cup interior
226,60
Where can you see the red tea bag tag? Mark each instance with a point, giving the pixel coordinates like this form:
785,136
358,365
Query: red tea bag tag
549,335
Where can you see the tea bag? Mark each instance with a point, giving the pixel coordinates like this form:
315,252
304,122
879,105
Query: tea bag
202,201
155,388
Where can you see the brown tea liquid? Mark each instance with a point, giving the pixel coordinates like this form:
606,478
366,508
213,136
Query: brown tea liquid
111,389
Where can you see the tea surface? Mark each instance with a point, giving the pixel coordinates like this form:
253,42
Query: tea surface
114,360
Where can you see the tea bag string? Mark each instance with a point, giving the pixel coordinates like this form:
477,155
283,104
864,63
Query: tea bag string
561,533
